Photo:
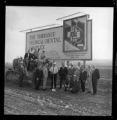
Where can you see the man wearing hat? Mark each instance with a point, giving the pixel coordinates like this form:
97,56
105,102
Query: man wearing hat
54,71
63,74
95,79
83,77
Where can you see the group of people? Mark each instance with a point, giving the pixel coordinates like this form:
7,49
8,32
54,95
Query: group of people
71,78
74,78
31,55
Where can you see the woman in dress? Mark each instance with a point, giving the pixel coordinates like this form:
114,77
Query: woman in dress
89,79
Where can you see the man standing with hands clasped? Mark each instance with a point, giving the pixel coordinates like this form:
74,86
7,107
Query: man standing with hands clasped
54,71
95,78
83,77
63,74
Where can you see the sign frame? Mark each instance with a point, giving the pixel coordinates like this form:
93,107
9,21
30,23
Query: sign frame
84,33
90,20
91,38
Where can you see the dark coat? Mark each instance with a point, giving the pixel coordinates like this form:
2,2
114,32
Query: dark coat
83,75
39,73
95,74
30,56
75,87
63,72
71,71
15,63
27,55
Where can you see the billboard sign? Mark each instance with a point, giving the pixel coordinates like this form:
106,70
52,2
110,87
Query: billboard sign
52,41
77,38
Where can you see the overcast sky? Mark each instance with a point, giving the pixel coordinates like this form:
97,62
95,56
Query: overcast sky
20,18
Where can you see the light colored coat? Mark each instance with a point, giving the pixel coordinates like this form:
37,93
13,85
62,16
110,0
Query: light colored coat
45,76
77,74
54,69
89,80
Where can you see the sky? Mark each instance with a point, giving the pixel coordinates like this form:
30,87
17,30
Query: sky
20,18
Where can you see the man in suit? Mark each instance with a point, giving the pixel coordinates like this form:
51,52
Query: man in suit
42,56
83,77
36,53
32,54
75,86
95,78
69,81
63,74
54,71
27,58
38,77
27,55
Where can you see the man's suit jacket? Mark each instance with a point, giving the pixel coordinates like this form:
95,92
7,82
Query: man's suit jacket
39,73
27,55
30,56
63,71
95,74
83,75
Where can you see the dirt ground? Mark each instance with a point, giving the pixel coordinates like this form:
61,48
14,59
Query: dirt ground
27,101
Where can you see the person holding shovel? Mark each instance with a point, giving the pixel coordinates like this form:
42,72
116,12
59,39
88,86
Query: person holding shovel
54,71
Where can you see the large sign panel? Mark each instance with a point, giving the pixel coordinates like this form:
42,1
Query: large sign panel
52,41
75,31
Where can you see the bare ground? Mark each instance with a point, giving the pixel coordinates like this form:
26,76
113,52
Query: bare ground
27,101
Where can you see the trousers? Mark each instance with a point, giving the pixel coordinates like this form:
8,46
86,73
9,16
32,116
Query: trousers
94,85
62,81
83,85
53,80
44,82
